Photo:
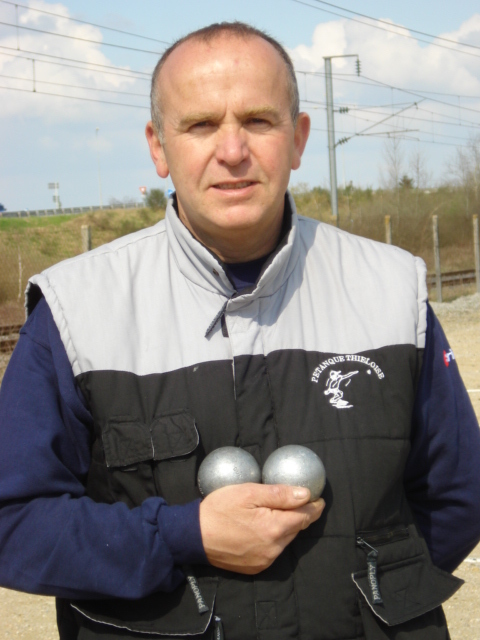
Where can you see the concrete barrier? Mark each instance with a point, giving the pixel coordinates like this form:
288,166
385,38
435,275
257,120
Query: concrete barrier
27,213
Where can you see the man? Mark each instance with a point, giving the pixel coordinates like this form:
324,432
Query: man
223,325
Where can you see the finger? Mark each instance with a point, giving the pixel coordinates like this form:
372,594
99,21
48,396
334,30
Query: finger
298,519
312,512
279,496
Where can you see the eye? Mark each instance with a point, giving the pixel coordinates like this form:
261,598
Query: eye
258,123
201,125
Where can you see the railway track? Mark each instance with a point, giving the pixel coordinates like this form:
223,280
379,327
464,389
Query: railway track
9,332
452,278
9,337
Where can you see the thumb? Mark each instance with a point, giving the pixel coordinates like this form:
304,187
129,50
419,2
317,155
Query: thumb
282,496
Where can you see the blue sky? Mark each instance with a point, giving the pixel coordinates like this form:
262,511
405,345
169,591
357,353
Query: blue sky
47,138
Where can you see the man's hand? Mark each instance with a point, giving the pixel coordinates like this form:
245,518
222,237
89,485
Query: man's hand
245,527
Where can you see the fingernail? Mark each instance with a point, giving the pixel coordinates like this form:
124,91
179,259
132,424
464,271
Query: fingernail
300,493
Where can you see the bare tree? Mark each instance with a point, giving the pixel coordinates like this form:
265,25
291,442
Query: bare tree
464,171
418,168
421,176
392,167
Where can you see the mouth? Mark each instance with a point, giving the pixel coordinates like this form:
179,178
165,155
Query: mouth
228,186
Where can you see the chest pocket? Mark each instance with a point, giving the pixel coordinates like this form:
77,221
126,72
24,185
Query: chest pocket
160,457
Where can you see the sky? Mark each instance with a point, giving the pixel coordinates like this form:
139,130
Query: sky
74,101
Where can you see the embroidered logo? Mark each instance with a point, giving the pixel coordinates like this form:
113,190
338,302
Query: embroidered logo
447,356
334,381
338,381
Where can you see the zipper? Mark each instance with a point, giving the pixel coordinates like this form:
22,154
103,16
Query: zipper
384,536
372,555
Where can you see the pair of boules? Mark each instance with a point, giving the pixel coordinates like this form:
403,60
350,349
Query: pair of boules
293,465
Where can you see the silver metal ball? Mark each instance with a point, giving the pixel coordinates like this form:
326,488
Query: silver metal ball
296,466
225,466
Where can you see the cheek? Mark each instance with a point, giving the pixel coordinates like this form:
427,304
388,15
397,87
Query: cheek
275,157
195,165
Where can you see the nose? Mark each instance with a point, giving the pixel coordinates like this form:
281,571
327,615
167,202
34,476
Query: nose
232,147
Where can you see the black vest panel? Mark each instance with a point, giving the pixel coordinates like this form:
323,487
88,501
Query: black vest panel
152,432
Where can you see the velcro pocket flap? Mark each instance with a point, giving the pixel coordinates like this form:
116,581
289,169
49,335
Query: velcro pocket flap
174,435
127,440
409,588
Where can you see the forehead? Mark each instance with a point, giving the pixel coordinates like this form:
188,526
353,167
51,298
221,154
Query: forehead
199,70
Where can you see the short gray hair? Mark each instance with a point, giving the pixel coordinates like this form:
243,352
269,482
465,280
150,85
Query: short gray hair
207,34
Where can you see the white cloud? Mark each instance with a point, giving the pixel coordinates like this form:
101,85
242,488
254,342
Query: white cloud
19,67
389,57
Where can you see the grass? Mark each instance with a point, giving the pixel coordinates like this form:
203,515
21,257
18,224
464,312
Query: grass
29,245
19,224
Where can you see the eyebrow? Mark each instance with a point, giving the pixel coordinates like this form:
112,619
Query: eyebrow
205,116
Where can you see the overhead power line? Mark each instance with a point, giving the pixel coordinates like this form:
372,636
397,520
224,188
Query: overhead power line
397,128
75,86
397,137
58,95
92,24
64,35
399,26
418,94
376,26
344,78
351,107
95,64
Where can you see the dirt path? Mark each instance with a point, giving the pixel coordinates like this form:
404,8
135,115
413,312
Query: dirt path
27,617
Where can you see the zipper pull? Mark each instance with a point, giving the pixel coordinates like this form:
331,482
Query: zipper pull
372,555
218,629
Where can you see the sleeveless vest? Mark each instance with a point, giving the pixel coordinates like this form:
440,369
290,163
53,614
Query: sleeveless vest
324,352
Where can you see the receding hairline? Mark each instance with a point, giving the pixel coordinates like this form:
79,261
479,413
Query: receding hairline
214,33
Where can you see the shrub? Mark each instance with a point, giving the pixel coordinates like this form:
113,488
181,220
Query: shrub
156,199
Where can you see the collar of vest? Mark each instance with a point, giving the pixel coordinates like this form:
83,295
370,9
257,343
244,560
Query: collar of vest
204,269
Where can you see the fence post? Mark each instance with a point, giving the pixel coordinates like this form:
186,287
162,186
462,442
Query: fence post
436,251
476,249
86,237
20,274
388,230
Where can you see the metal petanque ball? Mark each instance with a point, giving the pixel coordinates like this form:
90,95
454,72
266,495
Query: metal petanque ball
296,466
227,465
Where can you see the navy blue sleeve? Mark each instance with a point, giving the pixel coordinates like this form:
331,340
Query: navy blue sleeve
442,477
54,540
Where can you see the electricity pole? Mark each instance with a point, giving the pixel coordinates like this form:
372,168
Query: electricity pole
331,131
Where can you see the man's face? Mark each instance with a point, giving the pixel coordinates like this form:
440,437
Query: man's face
229,140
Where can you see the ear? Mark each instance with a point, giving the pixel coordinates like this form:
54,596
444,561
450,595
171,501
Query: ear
156,151
302,131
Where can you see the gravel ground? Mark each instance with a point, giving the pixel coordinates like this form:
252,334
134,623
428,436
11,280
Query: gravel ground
28,617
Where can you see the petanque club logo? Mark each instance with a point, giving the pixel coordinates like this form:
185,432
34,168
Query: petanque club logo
337,381
334,381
